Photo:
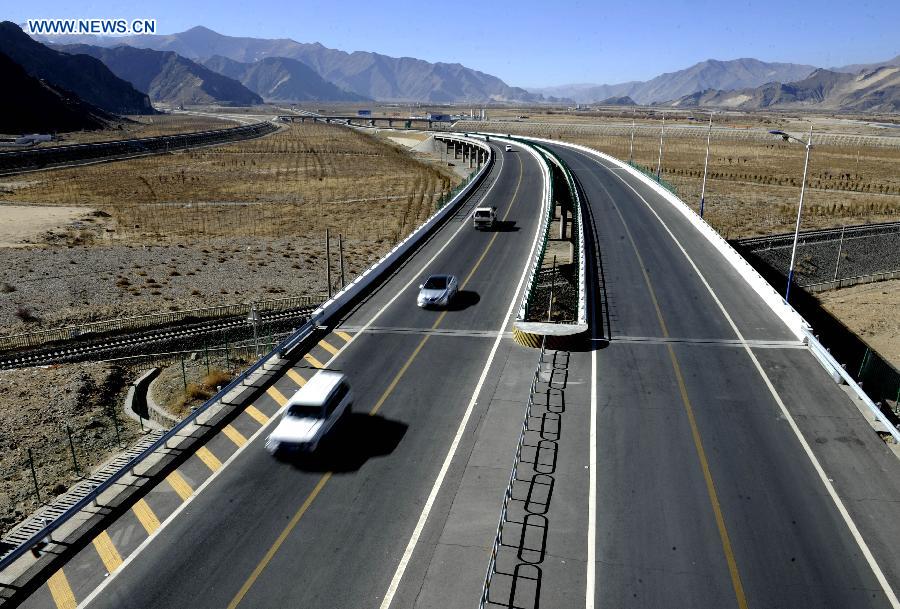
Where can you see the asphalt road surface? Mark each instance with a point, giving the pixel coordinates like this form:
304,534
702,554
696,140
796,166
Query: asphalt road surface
330,532
707,415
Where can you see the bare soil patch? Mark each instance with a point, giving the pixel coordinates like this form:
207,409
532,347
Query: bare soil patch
24,224
36,406
871,311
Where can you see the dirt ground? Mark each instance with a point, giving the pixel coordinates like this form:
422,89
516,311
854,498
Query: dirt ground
37,404
24,224
872,311
219,225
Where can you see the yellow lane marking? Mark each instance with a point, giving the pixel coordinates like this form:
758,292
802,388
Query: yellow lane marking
406,364
730,560
277,395
284,534
343,335
402,371
328,347
254,412
177,482
212,462
295,376
315,363
296,518
107,551
146,516
710,486
234,435
61,591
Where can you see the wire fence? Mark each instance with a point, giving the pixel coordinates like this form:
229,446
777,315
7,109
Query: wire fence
32,339
831,258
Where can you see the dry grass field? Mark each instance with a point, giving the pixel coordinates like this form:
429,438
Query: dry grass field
295,182
753,186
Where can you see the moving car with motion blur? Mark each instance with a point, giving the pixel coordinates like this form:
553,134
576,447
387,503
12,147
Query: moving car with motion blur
311,414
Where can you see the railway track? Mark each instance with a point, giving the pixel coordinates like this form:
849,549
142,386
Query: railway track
820,235
173,337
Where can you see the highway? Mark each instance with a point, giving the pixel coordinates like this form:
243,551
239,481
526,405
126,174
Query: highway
704,457
708,418
331,531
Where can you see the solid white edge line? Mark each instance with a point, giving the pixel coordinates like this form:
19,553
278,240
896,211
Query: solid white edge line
826,481
592,479
445,466
94,593
463,226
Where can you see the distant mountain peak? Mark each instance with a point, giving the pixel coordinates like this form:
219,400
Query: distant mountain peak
364,73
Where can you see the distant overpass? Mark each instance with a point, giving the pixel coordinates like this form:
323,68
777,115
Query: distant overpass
367,121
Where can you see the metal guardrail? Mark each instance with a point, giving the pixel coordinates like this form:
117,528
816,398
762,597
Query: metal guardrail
33,339
546,220
299,339
839,373
580,259
40,158
358,285
507,494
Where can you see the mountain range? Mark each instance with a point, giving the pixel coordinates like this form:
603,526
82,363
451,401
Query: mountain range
280,79
167,76
287,70
85,77
709,74
370,75
871,90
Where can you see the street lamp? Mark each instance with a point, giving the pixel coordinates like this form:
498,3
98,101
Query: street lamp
631,150
662,133
808,144
705,166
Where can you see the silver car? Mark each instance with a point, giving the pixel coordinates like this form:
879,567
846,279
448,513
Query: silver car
438,291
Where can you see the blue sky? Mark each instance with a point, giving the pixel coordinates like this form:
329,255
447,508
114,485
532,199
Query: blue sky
536,43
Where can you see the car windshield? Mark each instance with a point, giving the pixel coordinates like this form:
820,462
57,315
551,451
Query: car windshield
438,282
481,213
302,411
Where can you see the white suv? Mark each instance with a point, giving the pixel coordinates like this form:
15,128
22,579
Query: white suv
311,413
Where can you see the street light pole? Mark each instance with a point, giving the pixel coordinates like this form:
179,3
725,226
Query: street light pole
662,133
631,150
705,166
790,278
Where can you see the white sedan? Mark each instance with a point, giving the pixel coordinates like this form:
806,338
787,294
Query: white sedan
438,291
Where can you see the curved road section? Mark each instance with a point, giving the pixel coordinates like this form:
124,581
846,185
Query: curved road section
340,529
728,469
